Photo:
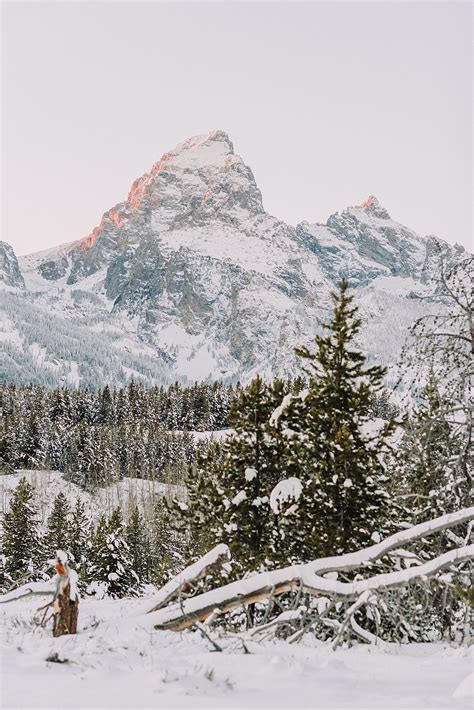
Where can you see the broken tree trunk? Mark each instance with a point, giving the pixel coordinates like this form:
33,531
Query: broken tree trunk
185,580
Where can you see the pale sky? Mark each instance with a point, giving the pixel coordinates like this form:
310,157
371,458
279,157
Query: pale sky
327,103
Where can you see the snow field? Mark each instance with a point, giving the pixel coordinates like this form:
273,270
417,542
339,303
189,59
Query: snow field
116,661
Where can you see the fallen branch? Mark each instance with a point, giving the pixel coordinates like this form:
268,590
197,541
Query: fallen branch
185,580
260,587
27,590
362,558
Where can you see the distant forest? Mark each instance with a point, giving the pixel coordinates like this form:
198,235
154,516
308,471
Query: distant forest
96,437
99,436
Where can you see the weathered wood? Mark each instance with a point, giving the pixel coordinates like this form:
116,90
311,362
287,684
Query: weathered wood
66,612
183,582
177,617
183,620
62,615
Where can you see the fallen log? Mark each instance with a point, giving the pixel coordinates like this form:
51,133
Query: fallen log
260,587
177,617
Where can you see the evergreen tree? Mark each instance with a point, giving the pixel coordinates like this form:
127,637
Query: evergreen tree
228,495
111,560
334,446
167,544
105,406
57,535
426,480
79,535
31,441
138,544
20,533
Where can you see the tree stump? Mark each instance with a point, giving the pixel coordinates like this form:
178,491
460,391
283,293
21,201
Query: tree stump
66,612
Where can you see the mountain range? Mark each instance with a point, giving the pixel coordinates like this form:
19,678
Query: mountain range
190,278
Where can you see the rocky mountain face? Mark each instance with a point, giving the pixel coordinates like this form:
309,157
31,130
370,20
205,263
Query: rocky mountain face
10,275
190,278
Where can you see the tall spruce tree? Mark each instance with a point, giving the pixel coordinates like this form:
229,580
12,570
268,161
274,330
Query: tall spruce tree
20,533
334,445
138,545
57,535
79,537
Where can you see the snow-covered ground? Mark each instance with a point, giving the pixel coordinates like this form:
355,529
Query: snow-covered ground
117,660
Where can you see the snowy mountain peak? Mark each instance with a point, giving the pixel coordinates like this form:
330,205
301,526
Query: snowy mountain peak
372,206
203,165
200,151
190,278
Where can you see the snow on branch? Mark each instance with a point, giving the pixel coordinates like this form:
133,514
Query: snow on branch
361,558
389,580
184,581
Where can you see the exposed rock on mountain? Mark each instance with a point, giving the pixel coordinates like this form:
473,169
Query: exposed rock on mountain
190,278
9,270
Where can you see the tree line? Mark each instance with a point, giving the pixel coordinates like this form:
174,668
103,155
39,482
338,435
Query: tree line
97,437
112,556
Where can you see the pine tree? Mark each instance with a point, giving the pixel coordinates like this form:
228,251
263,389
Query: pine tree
20,533
425,483
57,536
228,494
167,544
138,544
31,441
334,447
111,560
79,537
105,406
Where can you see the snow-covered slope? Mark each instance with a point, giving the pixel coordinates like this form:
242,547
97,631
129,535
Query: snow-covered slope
125,494
191,278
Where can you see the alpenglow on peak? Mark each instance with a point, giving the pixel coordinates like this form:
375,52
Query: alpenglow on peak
373,206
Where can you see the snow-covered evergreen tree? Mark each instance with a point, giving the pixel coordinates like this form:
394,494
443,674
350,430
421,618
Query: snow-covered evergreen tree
138,545
335,446
20,536
79,539
425,456
167,544
228,497
111,561
58,534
